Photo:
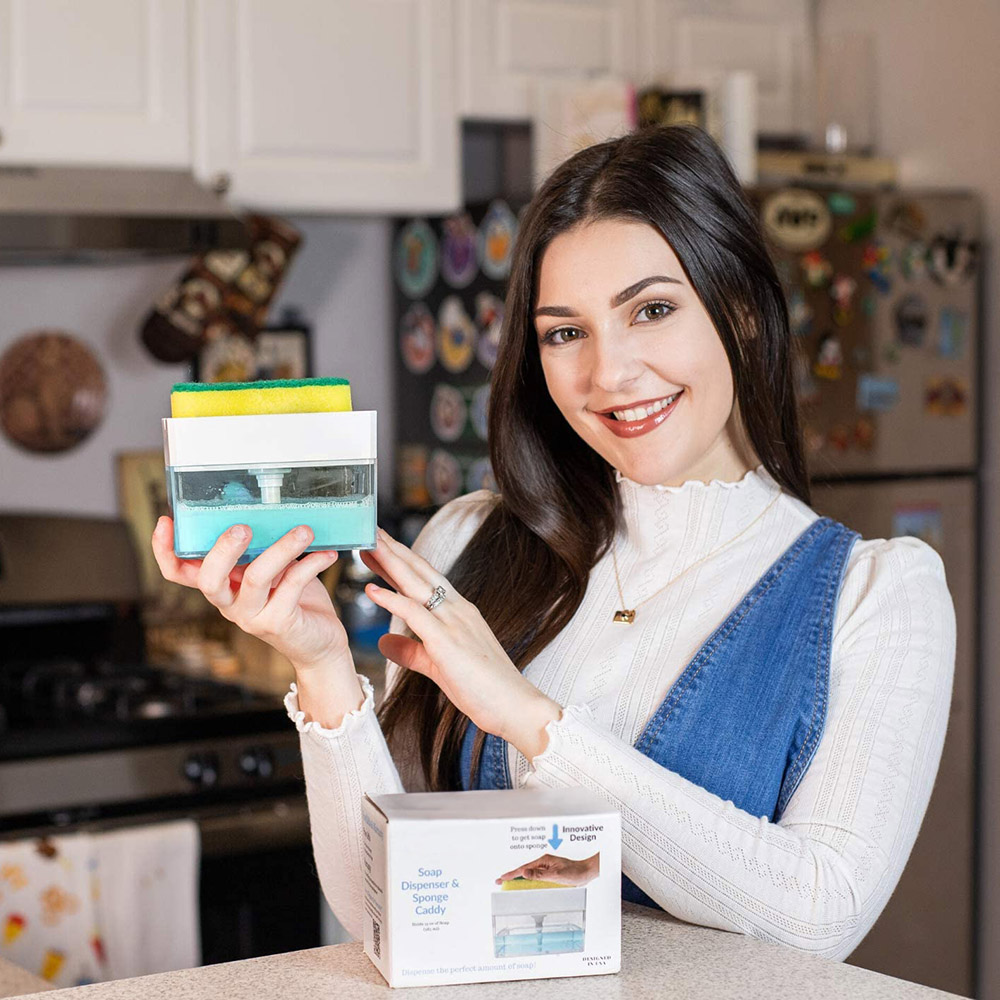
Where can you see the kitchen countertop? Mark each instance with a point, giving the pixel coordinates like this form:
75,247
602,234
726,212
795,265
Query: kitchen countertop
15,981
661,957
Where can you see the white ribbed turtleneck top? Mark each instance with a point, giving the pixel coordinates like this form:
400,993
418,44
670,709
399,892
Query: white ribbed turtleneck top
818,878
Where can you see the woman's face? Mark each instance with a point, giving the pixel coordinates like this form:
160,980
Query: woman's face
631,357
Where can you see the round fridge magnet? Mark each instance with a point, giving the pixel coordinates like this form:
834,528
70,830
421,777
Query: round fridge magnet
448,413
416,258
444,476
489,322
496,240
416,339
456,335
458,250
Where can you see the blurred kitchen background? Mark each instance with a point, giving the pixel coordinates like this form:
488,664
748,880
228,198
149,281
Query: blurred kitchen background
227,190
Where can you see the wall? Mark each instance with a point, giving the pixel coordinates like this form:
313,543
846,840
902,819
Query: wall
339,280
938,85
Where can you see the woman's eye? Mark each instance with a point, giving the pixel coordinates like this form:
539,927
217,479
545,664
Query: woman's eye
654,311
561,335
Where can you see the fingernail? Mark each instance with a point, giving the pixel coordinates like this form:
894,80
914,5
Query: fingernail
374,589
238,532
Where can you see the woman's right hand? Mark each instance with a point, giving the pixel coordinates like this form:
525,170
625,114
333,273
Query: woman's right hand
276,597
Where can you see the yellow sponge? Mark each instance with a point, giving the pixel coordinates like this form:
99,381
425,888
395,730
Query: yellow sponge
530,883
231,399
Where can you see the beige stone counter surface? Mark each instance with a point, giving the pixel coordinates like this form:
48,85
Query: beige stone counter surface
661,957
15,981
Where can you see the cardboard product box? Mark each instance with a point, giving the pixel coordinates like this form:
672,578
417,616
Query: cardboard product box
480,886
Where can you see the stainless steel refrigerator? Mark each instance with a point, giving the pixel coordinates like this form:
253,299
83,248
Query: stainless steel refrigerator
884,303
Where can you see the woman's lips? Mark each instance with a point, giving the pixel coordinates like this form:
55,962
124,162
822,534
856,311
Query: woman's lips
636,428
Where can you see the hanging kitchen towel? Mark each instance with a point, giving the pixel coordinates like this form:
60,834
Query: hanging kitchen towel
47,918
147,905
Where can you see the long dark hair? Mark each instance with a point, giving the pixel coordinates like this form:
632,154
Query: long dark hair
527,566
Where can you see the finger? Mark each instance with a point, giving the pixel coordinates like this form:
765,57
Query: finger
371,561
298,576
406,652
513,873
260,574
417,617
182,571
213,574
416,577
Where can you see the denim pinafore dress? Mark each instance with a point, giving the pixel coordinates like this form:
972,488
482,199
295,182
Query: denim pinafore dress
744,718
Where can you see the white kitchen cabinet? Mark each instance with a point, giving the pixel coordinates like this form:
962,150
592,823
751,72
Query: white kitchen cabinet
94,82
506,47
687,41
327,105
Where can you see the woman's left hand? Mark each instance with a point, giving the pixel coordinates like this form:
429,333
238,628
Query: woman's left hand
456,649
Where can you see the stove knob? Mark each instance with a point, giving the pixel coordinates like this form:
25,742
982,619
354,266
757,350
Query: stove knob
257,762
202,769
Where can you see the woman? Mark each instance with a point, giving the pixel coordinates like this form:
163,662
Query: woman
649,607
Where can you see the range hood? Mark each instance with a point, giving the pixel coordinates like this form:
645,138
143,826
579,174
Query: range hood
90,215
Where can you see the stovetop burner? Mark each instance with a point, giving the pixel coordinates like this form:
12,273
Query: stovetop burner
66,706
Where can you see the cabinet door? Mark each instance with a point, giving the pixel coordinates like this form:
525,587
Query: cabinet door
100,82
685,41
506,46
327,105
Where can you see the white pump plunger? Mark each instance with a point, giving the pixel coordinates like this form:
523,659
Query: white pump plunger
269,481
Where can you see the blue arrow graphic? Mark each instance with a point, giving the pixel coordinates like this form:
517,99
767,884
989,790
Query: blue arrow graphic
555,839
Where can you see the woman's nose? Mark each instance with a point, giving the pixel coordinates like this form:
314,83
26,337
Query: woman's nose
613,365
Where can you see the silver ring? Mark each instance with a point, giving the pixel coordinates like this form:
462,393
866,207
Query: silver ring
435,599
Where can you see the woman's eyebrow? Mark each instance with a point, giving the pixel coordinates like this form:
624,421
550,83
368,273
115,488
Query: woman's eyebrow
623,296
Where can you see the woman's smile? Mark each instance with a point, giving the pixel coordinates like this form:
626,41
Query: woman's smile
639,418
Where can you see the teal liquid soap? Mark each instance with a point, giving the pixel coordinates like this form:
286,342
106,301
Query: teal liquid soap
554,940
335,524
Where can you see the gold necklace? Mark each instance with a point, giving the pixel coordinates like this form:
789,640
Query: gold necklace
626,616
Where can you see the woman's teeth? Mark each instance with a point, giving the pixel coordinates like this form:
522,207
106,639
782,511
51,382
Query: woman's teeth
641,412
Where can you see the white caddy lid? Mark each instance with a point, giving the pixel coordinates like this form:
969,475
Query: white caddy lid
270,439
522,902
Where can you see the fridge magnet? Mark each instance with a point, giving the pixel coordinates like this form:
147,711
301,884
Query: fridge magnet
806,387
946,397
796,219
478,410
495,241
830,358
489,322
444,476
952,329
842,203
416,339
817,269
458,250
480,476
416,258
448,413
800,313
813,439
876,263
906,219
411,480
840,437
911,321
921,521
864,434
876,392
842,290
951,260
284,350
859,229
227,356
456,335
913,260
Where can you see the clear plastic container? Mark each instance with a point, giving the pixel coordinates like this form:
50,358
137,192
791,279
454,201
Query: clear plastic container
539,921
272,472
336,501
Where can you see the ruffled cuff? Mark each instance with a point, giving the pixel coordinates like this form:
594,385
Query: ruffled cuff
574,718
351,720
